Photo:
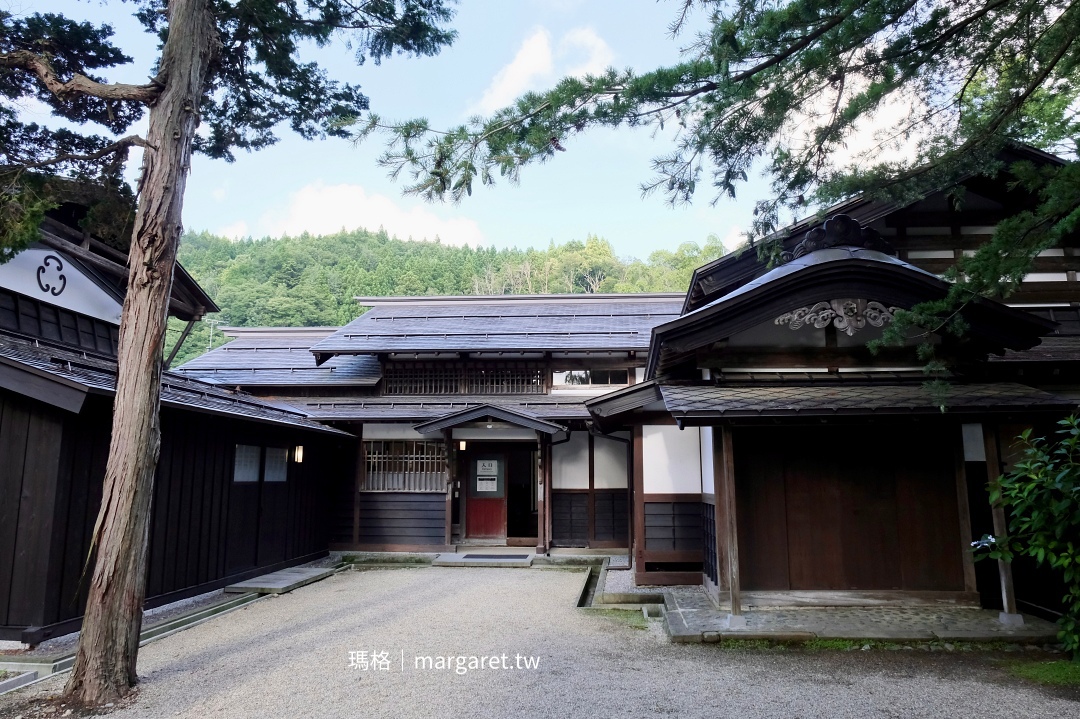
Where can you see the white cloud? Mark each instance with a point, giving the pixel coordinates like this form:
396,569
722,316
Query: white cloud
734,239
530,66
219,193
598,55
322,209
536,65
234,231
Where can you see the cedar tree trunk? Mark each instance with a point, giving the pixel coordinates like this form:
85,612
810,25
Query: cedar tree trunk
105,664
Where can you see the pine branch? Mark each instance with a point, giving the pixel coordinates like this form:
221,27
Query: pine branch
121,144
78,84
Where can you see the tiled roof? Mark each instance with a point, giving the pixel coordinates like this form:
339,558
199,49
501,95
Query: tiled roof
280,360
403,408
854,399
554,323
98,375
1051,349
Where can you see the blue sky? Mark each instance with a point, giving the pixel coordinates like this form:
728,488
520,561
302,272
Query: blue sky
504,47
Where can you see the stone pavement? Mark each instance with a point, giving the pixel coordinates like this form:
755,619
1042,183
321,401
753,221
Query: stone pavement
692,617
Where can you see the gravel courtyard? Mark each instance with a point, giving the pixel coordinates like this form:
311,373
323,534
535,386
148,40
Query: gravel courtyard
289,656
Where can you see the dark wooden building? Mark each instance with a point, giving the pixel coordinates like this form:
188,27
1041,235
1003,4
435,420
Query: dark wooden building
741,435
470,414
242,486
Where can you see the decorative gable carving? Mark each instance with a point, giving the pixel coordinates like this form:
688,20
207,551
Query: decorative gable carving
847,315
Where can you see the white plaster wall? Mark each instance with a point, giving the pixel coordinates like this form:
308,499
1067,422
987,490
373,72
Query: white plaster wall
671,459
495,433
974,448
29,274
570,463
609,462
395,431
708,483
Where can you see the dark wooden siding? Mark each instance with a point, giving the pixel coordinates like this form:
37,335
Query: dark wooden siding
30,436
610,519
569,518
28,316
708,538
673,526
818,513
46,523
402,518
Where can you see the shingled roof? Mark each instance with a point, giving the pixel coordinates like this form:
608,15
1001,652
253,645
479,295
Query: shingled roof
280,357
689,401
417,408
27,366
511,323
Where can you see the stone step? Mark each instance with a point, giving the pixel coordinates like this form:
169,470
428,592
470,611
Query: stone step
281,581
480,558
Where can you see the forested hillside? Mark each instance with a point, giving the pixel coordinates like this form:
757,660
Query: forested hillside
307,281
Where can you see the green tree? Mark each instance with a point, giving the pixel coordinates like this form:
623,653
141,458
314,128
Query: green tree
1042,494
234,67
784,86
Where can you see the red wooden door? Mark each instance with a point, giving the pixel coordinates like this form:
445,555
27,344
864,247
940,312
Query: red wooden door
485,513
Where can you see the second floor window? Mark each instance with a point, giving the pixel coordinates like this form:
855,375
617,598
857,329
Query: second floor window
590,377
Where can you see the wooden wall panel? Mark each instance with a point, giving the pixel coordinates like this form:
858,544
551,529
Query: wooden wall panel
928,521
569,518
817,515
673,526
869,532
611,520
761,512
14,426
43,548
403,518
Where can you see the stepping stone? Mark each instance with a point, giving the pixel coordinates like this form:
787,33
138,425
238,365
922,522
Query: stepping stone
478,559
281,581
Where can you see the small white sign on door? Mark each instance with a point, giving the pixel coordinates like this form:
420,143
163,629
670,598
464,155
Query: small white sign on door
487,466
487,484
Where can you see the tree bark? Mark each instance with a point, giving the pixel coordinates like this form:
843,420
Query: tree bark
105,668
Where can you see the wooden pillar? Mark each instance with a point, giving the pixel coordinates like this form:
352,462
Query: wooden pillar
542,441
361,472
718,511
549,477
451,466
727,527
964,511
590,534
639,503
1001,531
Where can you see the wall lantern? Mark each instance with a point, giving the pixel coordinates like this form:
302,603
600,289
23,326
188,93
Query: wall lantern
461,445
298,453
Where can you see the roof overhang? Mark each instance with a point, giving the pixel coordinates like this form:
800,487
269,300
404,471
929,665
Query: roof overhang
706,404
473,414
828,274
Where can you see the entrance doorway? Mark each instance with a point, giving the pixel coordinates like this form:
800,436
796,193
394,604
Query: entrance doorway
500,494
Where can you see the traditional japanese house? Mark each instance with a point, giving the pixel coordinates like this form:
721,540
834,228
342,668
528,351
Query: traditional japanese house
827,473
741,435
469,411
242,485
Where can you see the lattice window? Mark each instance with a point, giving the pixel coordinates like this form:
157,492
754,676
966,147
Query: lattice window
422,378
404,466
485,379
427,378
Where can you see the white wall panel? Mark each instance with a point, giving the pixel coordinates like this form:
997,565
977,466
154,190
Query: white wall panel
609,462
395,431
708,484
672,459
570,463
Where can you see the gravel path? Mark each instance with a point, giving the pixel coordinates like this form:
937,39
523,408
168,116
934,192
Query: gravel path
288,657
